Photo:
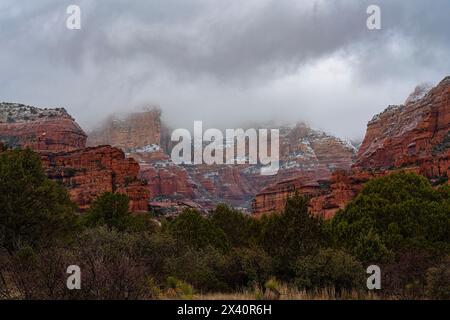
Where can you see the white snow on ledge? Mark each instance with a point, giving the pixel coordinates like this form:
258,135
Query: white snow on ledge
147,148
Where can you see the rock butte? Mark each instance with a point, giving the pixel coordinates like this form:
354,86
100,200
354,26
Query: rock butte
39,129
132,131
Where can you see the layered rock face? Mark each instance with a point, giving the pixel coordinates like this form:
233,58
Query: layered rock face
86,172
309,158
304,154
273,198
404,134
89,172
135,130
39,129
413,137
222,183
163,176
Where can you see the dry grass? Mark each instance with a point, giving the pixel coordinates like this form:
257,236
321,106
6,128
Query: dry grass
288,293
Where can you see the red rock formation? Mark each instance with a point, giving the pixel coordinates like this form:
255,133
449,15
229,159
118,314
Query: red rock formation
163,176
89,172
222,183
86,172
407,133
273,198
413,137
134,131
304,153
168,181
39,129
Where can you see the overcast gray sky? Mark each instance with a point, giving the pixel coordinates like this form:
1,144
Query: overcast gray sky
223,61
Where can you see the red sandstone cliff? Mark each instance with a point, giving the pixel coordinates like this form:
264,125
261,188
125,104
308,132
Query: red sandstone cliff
39,129
403,134
89,172
414,136
139,135
163,176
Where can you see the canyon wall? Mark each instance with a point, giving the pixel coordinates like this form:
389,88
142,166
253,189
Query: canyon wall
304,152
413,137
414,131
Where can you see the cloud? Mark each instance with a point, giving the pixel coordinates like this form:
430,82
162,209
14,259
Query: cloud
223,62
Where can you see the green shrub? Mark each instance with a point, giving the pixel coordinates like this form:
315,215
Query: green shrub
246,268
110,209
203,268
393,212
236,226
196,231
329,269
292,234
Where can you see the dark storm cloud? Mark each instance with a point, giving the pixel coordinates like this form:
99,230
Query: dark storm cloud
221,60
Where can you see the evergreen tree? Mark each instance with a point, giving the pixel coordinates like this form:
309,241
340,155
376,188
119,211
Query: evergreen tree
34,210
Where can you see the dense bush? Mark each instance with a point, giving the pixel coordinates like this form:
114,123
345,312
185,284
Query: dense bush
401,223
194,230
391,213
247,268
203,268
237,227
111,263
329,269
111,210
291,234
34,273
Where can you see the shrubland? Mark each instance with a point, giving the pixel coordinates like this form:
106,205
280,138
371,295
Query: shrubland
399,222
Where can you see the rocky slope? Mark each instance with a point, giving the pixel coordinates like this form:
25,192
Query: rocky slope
39,129
414,136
